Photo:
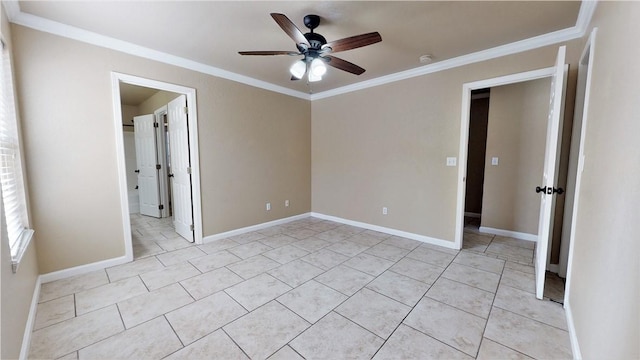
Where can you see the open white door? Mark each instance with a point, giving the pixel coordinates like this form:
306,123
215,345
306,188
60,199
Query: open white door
180,167
146,159
549,177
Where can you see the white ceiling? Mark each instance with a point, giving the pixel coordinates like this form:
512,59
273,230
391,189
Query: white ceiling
212,32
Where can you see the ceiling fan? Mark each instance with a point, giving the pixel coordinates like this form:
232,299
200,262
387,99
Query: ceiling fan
315,49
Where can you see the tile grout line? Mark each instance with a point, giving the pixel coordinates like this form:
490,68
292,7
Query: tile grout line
232,339
404,318
174,331
495,295
324,271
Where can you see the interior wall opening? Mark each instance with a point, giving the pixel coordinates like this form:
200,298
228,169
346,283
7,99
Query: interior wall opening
156,122
147,147
505,153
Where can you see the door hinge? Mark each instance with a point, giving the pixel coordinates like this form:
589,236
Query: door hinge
189,170
155,124
158,167
185,110
161,207
191,227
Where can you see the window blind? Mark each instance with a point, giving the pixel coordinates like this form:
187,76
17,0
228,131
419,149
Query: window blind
13,195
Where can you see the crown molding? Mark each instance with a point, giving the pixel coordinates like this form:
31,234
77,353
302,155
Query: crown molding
12,8
56,28
16,16
587,8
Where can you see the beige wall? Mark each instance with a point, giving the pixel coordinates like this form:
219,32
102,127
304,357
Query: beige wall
128,112
156,101
605,278
387,146
516,136
16,289
254,147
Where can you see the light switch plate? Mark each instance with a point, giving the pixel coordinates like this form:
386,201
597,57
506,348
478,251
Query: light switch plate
451,161
494,161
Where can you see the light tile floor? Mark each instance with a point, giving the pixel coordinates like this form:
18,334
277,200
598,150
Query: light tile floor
309,289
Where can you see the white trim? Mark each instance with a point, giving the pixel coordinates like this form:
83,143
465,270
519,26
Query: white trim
386,230
472,215
553,268
12,8
573,337
464,133
31,320
587,8
509,233
71,32
23,243
589,49
82,269
162,158
251,228
488,54
122,168
192,107
16,16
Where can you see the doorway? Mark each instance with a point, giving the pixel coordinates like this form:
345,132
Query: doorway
185,220
476,154
547,189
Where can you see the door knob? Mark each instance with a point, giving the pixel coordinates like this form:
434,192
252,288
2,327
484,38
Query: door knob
549,190
137,171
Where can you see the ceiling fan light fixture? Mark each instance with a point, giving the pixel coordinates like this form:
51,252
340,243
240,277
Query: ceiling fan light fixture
313,77
318,67
298,69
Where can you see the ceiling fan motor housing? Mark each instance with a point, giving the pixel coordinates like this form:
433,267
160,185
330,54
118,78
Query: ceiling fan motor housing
315,40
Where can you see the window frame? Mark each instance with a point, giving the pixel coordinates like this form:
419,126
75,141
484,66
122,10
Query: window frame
15,215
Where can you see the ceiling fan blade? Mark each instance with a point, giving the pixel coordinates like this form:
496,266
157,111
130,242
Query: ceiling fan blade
290,28
291,53
354,42
344,65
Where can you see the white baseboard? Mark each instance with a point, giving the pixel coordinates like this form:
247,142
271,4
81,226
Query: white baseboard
31,320
553,268
251,228
575,346
83,269
408,235
472,215
509,233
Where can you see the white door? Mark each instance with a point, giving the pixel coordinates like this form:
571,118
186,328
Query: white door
550,176
180,167
146,161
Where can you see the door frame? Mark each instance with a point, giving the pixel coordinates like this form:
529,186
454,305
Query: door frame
162,153
194,157
585,66
464,133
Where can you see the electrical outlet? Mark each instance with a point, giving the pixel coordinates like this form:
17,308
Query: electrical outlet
451,161
268,206
384,211
286,203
